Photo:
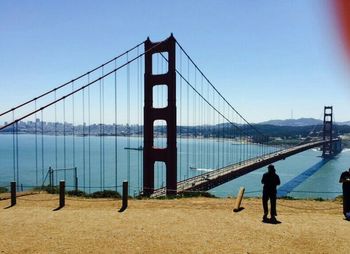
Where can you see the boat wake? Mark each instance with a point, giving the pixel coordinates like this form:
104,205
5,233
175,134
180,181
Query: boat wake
202,169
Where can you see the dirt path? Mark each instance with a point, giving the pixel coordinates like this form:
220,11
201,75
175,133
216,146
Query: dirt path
197,225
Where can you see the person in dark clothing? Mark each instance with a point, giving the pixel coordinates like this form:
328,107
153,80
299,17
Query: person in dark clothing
345,180
270,180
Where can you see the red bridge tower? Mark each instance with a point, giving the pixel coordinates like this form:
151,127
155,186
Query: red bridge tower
152,154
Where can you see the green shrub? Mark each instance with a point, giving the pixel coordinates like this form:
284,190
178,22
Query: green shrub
288,198
3,190
319,199
48,189
339,198
77,193
105,194
194,194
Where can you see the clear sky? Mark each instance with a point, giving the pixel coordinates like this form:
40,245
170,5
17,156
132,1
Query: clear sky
267,57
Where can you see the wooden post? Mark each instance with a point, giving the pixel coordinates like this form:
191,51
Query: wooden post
239,198
62,193
125,197
13,193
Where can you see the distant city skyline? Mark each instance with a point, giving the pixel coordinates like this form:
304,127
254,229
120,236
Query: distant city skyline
268,58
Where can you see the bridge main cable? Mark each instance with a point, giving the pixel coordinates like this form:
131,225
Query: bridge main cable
207,101
73,80
79,89
201,72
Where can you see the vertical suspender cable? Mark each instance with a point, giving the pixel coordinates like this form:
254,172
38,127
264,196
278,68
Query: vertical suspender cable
222,124
138,119
64,139
17,155
128,118
42,145
56,155
141,115
241,142
188,120
84,152
235,134
233,152
195,140
218,134
103,130
224,136
207,130
213,132
13,147
203,141
230,156
100,133
89,131
115,127
36,149
73,128
180,119
247,143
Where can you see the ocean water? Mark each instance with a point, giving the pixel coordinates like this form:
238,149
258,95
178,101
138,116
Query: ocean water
103,163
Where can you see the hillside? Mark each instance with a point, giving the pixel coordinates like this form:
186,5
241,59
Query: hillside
299,122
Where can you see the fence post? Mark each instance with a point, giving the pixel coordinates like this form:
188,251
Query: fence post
62,193
13,193
125,197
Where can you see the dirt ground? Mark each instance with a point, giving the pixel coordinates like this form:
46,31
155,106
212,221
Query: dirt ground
196,225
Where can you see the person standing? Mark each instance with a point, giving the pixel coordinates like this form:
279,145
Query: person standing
270,180
345,180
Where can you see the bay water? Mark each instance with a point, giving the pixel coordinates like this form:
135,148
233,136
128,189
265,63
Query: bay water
103,163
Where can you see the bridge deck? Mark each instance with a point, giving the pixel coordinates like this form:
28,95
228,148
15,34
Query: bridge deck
220,176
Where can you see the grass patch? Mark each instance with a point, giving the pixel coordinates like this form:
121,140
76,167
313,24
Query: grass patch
339,198
292,198
189,194
97,194
194,194
288,198
48,189
3,190
319,199
105,194
79,193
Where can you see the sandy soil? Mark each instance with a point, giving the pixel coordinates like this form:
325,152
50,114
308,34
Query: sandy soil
197,225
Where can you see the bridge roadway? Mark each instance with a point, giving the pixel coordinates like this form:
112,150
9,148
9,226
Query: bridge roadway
223,175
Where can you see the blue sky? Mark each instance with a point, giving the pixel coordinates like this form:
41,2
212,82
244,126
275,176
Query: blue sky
267,57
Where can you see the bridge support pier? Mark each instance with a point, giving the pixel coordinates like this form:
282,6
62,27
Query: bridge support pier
152,154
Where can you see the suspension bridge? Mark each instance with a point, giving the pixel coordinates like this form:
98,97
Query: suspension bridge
150,116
